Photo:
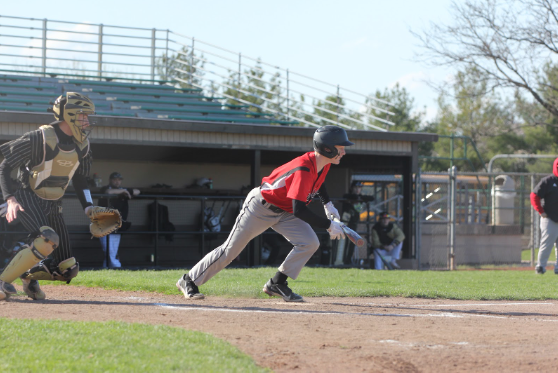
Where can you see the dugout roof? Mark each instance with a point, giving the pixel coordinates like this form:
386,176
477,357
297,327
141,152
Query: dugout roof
177,140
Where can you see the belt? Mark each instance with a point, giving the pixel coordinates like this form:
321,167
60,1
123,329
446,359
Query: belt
271,207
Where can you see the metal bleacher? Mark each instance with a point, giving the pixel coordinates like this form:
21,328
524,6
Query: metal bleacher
165,100
158,73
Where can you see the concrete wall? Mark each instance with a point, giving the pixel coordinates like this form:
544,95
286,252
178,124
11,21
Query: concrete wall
475,244
179,175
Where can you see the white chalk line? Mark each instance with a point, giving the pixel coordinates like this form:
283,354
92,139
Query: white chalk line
236,310
480,304
425,345
461,304
442,314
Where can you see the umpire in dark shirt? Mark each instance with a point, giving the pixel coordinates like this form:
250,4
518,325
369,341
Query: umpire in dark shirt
544,199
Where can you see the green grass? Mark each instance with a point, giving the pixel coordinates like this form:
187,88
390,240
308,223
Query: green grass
54,346
64,346
319,282
526,256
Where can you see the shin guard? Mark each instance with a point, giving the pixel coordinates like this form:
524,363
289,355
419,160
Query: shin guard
45,270
45,242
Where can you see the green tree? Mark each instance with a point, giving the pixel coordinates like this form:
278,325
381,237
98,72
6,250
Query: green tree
479,114
405,117
183,66
264,97
333,109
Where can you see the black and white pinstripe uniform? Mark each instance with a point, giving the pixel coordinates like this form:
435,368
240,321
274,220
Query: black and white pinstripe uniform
25,153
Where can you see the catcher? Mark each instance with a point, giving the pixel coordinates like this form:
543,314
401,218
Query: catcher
46,160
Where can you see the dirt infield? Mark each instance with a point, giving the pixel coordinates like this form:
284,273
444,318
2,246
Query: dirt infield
334,334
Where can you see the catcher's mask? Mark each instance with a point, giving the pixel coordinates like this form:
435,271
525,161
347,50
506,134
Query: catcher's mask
68,107
327,137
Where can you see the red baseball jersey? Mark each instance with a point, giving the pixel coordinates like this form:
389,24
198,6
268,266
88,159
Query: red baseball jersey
297,179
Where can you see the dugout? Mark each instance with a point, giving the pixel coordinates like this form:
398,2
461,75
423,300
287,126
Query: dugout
158,152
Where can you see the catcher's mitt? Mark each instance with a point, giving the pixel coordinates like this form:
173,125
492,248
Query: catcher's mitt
104,221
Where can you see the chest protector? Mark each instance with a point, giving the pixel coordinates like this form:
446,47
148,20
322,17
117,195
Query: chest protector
50,179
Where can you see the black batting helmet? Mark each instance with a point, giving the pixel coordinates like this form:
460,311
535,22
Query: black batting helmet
325,139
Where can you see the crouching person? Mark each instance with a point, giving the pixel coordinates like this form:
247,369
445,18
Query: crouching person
46,160
387,241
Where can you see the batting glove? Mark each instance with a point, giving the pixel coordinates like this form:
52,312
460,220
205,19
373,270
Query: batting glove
335,231
331,211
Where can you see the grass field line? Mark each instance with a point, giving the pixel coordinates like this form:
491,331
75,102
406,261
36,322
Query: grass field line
456,314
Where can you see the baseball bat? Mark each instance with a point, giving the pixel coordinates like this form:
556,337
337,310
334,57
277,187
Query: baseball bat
386,263
352,235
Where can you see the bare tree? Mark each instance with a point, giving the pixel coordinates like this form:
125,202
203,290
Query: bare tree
515,44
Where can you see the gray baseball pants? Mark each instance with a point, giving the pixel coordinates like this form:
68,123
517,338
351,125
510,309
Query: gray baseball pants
549,237
254,218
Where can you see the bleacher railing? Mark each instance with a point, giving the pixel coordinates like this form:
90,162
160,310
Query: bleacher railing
105,52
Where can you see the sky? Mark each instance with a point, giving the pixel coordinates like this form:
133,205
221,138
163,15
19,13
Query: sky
361,45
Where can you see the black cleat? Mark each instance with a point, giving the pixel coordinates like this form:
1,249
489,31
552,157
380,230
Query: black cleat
187,286
540,270
281,290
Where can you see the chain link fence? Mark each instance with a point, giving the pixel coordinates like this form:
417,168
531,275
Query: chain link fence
477,219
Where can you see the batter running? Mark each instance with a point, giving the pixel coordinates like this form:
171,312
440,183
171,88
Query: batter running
281,203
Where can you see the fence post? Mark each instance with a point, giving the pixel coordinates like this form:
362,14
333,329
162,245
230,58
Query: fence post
44,45
533,226
338,100
479,206
239,74
154,256
153,33
452,144
100,52
288,103
191,75
493,203
167,57
418,208
453,186
522,204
